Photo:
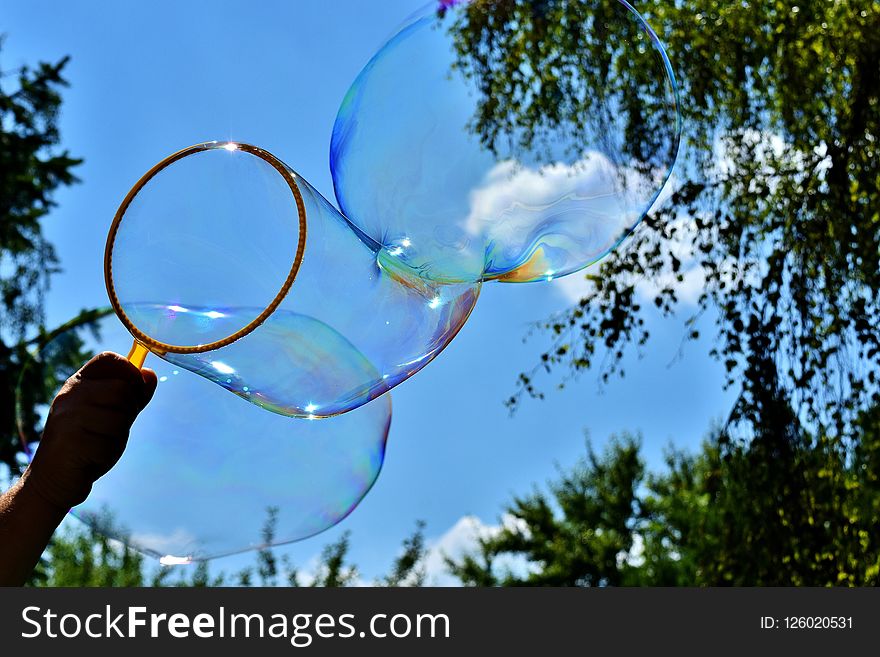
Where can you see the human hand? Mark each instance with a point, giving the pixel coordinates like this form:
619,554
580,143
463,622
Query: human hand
87,428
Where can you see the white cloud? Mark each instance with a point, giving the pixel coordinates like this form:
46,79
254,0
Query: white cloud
315,569
515,199
460,539
166,544
571,288
463,538
576,211
767,148
574,287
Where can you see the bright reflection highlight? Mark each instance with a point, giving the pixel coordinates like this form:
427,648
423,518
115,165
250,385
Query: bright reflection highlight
171,560
222,367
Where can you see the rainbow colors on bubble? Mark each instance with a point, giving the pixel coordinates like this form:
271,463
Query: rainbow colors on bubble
457,157
426,165
204,471
432,203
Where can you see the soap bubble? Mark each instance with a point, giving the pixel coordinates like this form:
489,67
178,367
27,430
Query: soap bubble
213,225
203,469
349,329
516,141
459,155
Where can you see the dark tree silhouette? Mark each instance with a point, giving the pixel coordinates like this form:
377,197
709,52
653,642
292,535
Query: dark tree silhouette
32,168
777,192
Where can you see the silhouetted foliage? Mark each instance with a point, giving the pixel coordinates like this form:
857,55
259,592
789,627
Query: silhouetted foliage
408,568
785,507
83,556
32,168
777,193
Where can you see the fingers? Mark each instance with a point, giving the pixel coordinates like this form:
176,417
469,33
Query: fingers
108,365
107,370
150,382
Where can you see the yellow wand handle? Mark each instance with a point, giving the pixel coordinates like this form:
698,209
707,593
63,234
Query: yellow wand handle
138,354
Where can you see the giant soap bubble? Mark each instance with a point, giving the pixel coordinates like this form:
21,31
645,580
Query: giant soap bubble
203,469
223,239
513,140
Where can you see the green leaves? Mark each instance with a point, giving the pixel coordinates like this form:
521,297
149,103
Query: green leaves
778,186
32,168
579,536
785,507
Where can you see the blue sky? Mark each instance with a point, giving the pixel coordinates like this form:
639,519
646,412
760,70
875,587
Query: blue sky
150,78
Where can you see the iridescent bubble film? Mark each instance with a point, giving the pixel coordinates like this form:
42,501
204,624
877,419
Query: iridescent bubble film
513,141
350,328
460,154
216,229
516,141
203,469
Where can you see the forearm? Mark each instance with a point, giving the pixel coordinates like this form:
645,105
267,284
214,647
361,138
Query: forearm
84,436
27,521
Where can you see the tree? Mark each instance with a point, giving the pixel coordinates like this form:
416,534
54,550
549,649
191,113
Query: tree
86,558
408,568
777,200
785,507
574,538
82,557
32,168
775,210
